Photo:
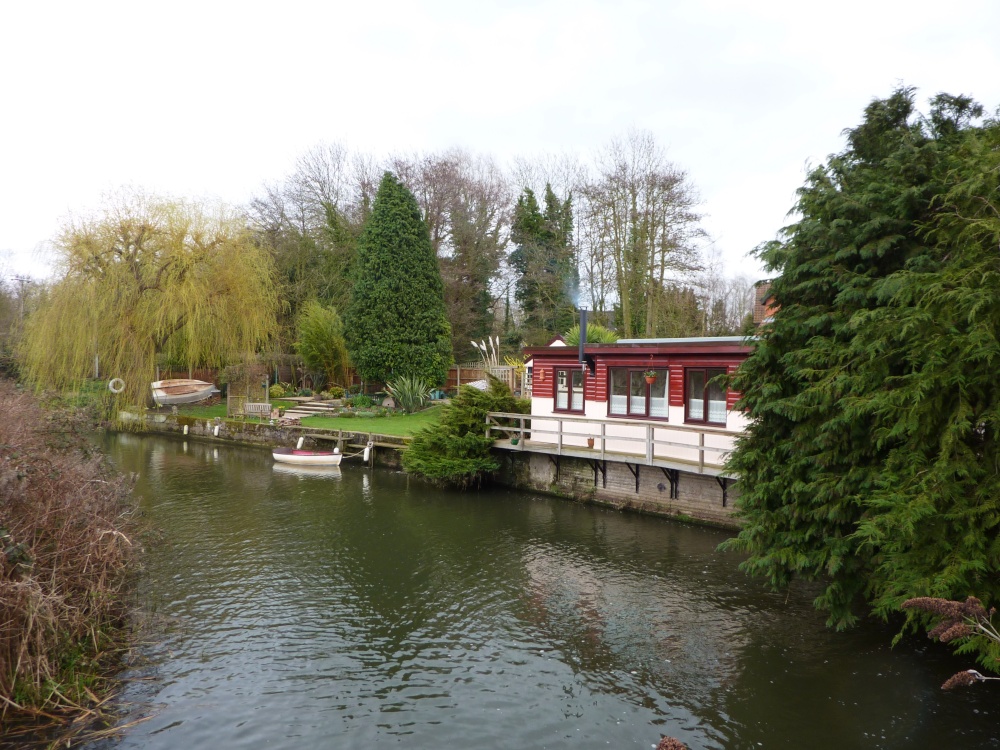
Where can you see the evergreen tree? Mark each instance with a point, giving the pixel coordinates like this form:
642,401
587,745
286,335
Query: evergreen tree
396,323
456,451
871,461
548,280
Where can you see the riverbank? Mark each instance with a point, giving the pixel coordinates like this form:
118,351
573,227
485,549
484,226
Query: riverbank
68,543
694,499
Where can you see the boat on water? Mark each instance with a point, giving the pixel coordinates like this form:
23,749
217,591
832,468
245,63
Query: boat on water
181,391
307,458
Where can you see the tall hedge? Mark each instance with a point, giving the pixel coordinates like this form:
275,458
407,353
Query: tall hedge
396,324
872,460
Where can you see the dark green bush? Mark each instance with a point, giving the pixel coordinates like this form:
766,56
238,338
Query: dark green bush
361,401
456,451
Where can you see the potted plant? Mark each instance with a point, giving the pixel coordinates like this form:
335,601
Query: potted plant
650,376
590,442
513,441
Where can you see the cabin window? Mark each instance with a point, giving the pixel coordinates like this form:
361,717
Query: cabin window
630,395
569,390
706,396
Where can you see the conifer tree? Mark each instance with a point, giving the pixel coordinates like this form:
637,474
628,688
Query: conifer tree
548,280
872,461
396,324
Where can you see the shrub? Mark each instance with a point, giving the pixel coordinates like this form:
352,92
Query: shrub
596,334
67,540
336,391
409,392
361,401
276,391
456,451
306,392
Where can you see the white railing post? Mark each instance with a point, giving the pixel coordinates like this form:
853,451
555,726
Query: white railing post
649,444
701,452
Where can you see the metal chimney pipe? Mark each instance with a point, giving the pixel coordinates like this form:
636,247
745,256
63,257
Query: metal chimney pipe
583,331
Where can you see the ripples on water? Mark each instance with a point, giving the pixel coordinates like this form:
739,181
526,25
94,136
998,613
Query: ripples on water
357,609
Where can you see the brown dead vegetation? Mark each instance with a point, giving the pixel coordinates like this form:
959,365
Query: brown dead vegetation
66,545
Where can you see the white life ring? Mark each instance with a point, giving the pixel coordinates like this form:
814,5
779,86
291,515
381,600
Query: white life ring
116,385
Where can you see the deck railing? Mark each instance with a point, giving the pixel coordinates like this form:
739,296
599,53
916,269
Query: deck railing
652,446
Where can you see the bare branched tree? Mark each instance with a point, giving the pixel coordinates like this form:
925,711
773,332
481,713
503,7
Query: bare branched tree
642,224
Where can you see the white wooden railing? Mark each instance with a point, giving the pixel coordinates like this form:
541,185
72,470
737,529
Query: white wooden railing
652,445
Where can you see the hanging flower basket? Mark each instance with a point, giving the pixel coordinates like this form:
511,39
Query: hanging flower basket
650,376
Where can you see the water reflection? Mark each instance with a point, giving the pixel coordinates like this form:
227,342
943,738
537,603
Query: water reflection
312,472
365,609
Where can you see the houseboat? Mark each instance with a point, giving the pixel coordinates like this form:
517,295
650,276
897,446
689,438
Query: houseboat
607,411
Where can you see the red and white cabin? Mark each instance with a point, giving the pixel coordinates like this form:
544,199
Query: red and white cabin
668,382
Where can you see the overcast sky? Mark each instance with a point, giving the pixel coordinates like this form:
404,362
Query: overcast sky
213,99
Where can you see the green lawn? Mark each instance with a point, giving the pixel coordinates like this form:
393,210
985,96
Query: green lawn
396,424
401,424
218,410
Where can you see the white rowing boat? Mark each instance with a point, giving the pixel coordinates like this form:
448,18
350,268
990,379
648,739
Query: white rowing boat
181,391
307,458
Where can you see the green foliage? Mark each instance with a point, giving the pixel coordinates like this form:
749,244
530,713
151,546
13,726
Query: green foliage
361,401
336,392
396,322
545,261
305,392
596,334
410,393
456,451
276,391
321,341
872,461
148,277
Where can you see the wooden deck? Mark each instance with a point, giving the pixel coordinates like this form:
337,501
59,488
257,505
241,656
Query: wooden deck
653,449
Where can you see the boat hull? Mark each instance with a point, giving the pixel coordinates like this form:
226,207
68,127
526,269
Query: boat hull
306,458
181,391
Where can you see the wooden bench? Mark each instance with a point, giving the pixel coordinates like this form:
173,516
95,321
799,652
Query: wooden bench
254,409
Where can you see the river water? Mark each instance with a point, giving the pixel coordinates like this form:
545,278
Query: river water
364,609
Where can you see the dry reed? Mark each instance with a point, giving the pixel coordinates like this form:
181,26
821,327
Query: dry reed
66,546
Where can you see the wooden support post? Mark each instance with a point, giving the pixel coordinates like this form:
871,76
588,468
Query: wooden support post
724,484
635,473
555,460
674,477
602,467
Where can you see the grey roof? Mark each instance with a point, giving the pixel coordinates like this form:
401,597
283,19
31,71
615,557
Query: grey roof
690,340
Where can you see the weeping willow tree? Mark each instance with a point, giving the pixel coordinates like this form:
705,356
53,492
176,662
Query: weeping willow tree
146,276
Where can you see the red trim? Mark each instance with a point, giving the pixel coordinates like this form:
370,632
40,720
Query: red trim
629,414
704,397
672,357
569,393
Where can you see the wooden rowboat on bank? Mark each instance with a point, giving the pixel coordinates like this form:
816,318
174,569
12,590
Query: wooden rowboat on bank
181,391
307,458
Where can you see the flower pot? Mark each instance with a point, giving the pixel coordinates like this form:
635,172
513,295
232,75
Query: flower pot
650,379
513,441
590,442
